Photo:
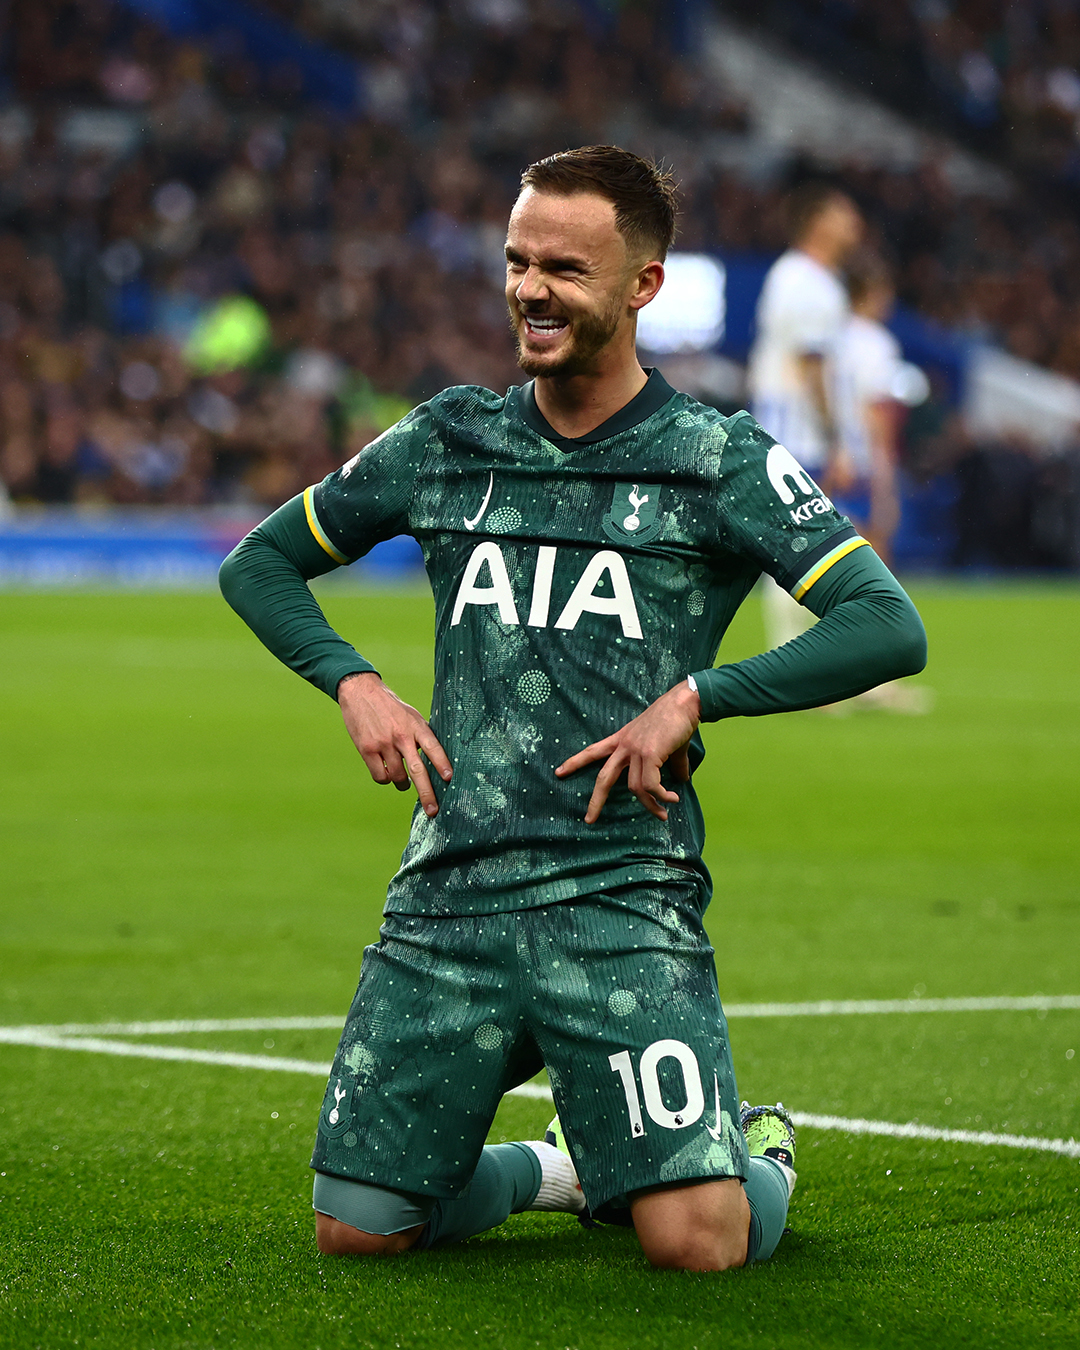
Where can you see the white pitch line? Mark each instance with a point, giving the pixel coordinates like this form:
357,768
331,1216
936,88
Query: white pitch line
859,1007
821,1008
94,1044
39,1037
1069,1148
187,1025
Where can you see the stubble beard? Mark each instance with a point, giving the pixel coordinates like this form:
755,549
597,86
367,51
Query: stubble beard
591,334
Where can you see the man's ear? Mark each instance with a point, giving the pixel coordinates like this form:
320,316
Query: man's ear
649,280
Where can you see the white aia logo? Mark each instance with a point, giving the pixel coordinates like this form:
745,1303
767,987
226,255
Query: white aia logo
583,598
781,465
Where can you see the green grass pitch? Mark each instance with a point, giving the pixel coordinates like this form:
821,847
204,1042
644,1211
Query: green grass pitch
188,834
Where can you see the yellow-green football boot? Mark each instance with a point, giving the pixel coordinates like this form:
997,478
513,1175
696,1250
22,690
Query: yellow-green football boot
770,1133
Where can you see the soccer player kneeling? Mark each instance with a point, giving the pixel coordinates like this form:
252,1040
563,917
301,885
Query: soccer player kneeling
588,538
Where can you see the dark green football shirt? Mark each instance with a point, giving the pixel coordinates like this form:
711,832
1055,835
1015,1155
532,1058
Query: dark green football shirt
575,581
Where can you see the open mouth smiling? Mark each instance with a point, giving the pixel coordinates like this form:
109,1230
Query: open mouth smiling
544,326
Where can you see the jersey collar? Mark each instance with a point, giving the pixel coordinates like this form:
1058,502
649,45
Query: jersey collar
654,394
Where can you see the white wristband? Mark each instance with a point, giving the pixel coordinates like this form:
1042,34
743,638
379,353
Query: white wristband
692,683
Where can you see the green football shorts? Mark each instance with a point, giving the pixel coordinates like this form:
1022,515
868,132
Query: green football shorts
614,994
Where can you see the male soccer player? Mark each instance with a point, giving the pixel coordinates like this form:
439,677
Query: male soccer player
801,315
872,385
588,537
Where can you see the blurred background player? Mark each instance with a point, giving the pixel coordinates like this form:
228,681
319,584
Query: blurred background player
800,318
873,386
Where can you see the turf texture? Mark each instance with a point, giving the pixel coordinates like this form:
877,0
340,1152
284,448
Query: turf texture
186,832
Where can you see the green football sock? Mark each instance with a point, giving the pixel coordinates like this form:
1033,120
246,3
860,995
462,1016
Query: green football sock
767,1191
506,1181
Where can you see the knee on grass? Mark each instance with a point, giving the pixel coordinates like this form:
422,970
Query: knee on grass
702,1250
353,1218
334,1238
697,1227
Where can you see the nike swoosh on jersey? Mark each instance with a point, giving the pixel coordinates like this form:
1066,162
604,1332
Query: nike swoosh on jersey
472,524
719,1127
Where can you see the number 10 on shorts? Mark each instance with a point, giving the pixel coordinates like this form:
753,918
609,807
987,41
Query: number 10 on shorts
648,1067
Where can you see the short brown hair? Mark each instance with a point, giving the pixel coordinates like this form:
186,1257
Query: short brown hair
805,203
644,195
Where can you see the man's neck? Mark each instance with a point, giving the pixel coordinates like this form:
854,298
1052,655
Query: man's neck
821,253
574,405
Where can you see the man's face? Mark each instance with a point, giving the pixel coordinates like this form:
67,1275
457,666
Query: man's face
841,223
570,282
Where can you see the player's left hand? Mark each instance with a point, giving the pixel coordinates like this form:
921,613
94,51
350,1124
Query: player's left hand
641,748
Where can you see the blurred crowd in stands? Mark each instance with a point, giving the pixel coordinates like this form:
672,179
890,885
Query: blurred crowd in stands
1004,73
212,291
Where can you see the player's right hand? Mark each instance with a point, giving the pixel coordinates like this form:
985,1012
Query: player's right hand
390,736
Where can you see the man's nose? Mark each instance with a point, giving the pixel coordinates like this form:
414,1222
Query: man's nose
532,286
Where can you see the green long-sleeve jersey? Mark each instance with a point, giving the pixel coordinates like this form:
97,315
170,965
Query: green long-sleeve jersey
575,581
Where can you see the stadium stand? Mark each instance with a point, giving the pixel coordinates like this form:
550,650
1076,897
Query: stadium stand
238,239
1001,76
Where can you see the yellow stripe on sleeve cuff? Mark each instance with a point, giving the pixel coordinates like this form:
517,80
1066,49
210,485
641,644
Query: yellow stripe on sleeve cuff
820,568
317,530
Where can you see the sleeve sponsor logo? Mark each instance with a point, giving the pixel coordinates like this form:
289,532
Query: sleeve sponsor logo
782,465
816,506
784,470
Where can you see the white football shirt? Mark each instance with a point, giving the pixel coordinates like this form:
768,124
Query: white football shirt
801,312
867,363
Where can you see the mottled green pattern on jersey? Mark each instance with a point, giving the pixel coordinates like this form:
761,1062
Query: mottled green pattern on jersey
564,987
555,625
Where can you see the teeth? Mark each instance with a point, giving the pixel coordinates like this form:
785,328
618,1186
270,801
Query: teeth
545,325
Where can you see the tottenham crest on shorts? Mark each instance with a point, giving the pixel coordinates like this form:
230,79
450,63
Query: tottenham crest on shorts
336,1114
633,518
